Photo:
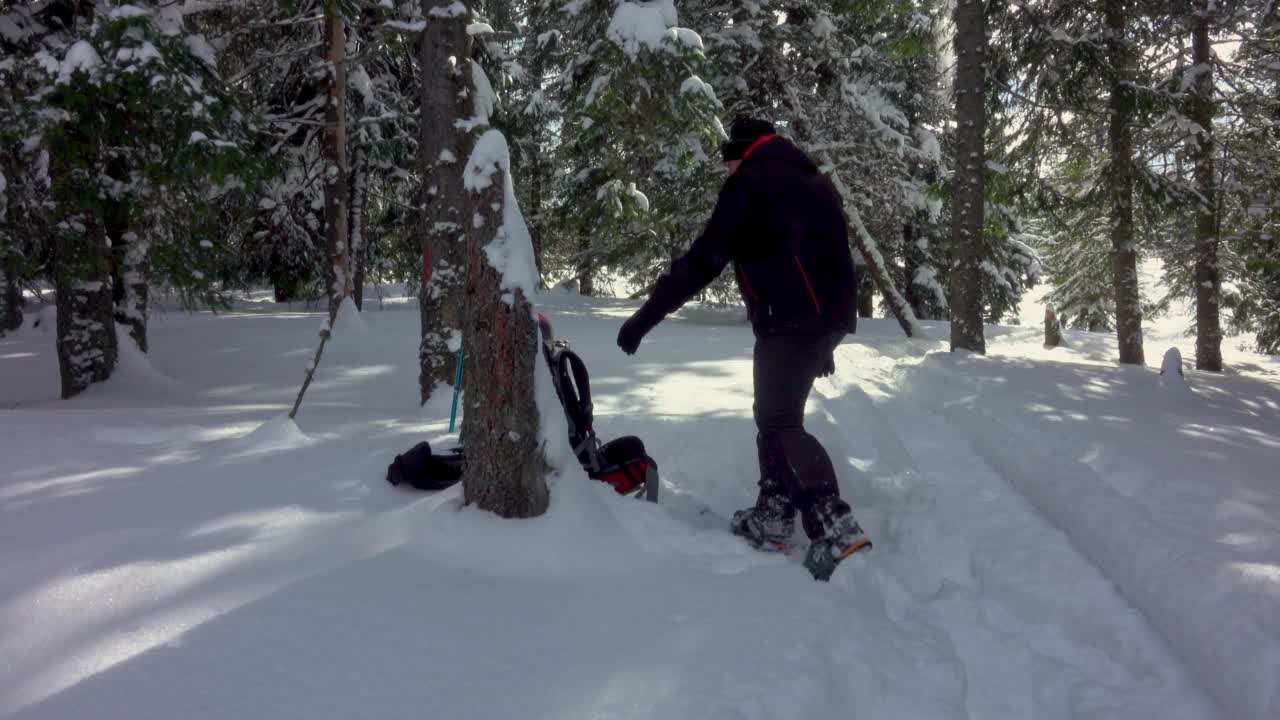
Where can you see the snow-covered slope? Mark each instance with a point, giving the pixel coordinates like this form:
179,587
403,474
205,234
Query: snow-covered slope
1056,537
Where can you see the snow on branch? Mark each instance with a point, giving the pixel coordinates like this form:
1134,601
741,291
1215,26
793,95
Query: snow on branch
652,25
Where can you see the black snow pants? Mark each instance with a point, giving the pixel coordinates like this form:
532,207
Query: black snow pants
795,471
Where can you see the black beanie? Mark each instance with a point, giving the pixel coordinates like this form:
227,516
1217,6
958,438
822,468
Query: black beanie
742,133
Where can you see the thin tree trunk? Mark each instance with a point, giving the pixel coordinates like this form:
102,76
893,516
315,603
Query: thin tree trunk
132,292
336,189
536,220
506,471
445,98
870,252
586,267
910,265
1124,252
970,181
359,224
1208,276
10,297
866,296
86,341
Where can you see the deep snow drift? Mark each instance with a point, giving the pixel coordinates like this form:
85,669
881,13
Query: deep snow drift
1056,536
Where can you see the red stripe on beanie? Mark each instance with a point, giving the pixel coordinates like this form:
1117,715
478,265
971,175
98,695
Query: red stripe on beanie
759,141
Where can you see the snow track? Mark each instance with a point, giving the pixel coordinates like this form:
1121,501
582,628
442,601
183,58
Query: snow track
1021,624
1160,571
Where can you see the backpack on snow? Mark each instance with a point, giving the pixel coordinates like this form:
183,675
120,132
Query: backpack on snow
622,463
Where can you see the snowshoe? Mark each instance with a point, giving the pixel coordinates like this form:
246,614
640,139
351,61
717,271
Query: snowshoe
825,553
763,531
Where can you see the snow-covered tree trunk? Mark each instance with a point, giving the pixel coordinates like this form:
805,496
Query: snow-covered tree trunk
86,339
1207,274
875,265
970,182
132,290
1052,328
334,151
446,98
506,470
1120,174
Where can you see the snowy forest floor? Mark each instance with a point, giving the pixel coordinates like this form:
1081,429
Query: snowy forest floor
1056,536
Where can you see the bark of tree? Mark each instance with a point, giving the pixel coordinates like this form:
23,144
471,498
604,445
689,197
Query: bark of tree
506,470
536,222
970,179
586,267
910,265
86,337
130,289
359,225
336,189
10,297
1207,273
1124,252
445,94
866,296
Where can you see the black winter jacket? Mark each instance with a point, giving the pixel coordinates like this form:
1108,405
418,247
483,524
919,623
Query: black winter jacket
780,222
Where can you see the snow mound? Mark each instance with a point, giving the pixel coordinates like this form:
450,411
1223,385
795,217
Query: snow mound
134,377
348,322
278,433
709,314
1171,375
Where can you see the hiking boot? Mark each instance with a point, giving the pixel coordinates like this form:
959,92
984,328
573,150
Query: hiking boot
844,538
765,531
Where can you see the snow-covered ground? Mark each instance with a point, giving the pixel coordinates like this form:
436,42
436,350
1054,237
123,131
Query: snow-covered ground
1056,536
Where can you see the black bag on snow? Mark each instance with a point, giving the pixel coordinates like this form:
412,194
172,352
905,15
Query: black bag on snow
622,463
421,469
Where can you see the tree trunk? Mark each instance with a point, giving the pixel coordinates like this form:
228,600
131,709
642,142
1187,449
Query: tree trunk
870,252
1052,328
970,179
130,288
445,98
586,267
86,341
10,297
910,265
1124,252
1208,276
866,295
334,151
506,471
536,221
358,225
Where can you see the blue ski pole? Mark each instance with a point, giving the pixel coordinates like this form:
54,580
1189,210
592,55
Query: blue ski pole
457,385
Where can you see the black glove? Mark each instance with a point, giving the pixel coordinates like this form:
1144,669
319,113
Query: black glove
633,331
829,368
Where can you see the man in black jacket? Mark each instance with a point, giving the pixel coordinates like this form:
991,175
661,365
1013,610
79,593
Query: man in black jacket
780,222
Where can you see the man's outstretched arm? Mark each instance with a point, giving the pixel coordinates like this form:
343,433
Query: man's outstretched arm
696,269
